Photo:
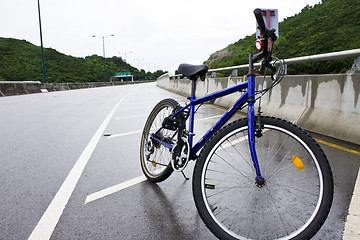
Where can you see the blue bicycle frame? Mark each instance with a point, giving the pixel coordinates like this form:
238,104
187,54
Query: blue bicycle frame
247,97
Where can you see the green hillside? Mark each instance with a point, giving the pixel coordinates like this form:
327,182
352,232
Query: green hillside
332,25
21,61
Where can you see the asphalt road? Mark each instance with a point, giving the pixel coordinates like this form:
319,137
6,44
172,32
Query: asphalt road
70,169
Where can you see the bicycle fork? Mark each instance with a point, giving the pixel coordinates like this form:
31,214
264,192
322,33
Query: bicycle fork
259,179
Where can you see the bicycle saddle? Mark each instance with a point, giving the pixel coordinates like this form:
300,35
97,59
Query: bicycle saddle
193,71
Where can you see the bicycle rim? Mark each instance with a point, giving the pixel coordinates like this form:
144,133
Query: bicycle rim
155,158
282,209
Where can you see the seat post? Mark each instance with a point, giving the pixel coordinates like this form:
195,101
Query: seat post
193,87
192,112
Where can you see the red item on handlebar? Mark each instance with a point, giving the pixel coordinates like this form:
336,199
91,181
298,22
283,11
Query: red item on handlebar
259,44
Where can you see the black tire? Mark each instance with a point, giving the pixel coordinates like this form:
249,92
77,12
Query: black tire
155,158
293,203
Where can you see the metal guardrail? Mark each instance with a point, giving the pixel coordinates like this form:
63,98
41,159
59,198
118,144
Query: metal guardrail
354,53
312,58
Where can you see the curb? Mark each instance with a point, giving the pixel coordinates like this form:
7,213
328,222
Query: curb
352,225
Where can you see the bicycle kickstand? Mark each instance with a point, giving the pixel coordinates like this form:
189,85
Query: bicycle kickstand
186,178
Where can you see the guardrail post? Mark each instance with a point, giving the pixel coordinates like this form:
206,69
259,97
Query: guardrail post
356,65
234,73
213,74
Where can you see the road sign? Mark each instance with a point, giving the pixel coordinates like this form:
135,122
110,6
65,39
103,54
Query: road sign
122,73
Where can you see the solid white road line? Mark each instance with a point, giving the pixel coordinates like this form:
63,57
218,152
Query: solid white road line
116,188
132,108
135,116
125,134
48,221
139,131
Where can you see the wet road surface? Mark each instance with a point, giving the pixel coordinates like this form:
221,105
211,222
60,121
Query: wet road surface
45,136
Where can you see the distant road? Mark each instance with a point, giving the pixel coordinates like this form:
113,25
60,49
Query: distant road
71,158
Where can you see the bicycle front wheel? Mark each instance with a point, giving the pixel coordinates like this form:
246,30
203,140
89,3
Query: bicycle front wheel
295,199
154,157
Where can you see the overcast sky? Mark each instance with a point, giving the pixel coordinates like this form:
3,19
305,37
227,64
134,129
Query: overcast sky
161,34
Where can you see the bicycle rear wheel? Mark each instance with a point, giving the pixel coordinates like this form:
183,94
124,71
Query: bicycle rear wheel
296,197
154,157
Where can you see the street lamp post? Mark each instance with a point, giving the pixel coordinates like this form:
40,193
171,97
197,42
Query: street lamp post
125,54
125,61
42,47
138,61
103,39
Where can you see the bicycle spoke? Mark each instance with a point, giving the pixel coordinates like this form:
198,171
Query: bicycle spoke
155,158
284,206
233,167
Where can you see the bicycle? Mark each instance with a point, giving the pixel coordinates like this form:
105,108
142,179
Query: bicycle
255,178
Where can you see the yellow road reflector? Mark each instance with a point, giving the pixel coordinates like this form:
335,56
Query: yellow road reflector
154,163
298,163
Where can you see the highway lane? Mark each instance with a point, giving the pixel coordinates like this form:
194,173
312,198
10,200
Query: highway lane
43,136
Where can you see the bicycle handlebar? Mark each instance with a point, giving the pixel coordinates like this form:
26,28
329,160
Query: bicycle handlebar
260,20
265,32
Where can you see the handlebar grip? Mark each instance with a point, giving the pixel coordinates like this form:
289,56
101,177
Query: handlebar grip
260,20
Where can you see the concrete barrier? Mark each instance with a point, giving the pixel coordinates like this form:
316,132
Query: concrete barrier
328,104
32,88
10,88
